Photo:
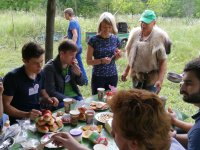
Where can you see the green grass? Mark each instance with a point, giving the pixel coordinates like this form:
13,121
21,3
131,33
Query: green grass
27,26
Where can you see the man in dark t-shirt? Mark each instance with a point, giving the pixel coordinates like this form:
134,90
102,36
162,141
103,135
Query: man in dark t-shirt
24,86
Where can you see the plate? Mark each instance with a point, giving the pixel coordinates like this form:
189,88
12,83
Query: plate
98,105
47,137
174,77
103,117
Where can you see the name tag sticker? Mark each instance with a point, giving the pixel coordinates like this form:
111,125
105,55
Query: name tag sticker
33,90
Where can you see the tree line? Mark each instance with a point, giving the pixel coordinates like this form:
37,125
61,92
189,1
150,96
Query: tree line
92,8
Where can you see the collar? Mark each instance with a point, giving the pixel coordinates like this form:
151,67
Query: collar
38,76
196,116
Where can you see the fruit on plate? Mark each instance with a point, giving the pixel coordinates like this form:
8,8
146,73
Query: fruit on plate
46,111
47,123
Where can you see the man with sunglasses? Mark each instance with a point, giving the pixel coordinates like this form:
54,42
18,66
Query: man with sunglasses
63,73
146,48
24,86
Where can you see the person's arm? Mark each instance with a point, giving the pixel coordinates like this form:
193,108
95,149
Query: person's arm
75,35
50,84
181,124
125,73
182,138
14,112
51,100
76,72
67,141
193,140
91,61
162,72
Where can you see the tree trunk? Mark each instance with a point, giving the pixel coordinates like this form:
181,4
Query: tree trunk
51,9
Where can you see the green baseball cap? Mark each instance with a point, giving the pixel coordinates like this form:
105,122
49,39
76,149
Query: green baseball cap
148,16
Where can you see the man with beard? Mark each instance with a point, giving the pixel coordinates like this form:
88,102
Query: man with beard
190,89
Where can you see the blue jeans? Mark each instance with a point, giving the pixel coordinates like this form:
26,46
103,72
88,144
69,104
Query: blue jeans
103,82
80,63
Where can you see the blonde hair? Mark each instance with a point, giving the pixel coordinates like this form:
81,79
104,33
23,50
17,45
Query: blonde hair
109,19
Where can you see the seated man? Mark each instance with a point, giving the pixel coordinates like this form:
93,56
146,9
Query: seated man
63,73
190,89
139,122
23,86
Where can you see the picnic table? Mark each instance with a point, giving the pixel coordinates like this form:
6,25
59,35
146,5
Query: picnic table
67,128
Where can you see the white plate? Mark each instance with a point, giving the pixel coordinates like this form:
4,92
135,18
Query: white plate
45,138
103,117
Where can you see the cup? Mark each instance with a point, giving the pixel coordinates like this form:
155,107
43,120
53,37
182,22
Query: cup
67,103
76,134
74,115
89,114
100,93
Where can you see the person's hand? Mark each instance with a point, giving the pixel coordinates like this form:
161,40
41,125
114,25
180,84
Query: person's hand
76,69
172,133
53,100
65,37
106,60
172,115
34,114
67,141
124,75
1,88
118,54
158,85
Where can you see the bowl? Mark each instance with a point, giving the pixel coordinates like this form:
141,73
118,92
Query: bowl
174,77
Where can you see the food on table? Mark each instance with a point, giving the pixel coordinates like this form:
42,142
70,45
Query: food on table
96,138
103,117
87,133
98,105
59,113
82,113
47,123
92,128
66,118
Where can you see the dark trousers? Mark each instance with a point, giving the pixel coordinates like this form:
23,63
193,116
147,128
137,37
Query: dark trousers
103,82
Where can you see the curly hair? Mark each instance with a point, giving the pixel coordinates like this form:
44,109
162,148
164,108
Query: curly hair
140,116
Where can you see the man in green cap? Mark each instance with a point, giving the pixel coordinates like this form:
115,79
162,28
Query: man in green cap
146,48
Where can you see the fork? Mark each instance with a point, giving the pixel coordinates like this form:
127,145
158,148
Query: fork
41,146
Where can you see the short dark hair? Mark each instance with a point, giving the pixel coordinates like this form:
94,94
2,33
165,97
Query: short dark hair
67,45
32,50
194,66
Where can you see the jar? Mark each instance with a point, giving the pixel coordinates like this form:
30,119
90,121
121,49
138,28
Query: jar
76,134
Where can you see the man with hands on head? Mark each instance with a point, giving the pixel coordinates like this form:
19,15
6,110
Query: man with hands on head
24,86
63,74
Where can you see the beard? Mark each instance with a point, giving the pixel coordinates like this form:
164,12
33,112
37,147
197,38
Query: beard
192,98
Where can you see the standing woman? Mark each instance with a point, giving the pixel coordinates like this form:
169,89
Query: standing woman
103,50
